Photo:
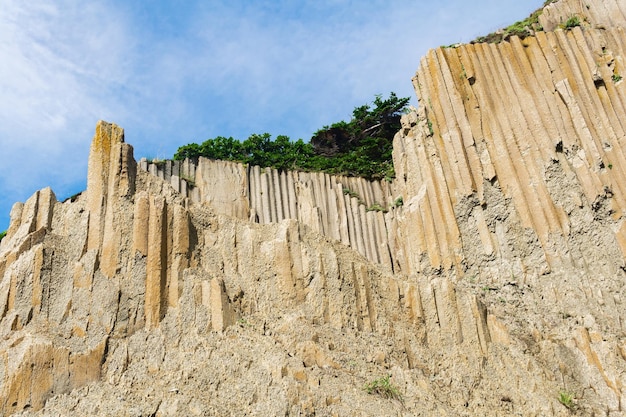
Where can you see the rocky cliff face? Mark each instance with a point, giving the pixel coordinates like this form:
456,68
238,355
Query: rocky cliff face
495,289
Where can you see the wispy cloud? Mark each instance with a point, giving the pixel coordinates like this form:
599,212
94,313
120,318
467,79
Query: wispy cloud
60,62
172,72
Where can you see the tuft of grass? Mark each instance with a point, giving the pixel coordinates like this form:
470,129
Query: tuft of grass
243,323
430,127
376,207
383,387
567,399
2,235
399,202
522,29
351,193
616,78
570,23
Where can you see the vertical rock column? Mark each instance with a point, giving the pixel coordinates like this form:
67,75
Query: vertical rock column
180,253
111,176
156,267
223,185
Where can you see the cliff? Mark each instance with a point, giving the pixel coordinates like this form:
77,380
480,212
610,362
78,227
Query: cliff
494,288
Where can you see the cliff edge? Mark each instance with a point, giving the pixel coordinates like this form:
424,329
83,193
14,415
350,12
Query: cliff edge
495,288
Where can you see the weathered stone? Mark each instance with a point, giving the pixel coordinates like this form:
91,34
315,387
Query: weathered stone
493,285
222,313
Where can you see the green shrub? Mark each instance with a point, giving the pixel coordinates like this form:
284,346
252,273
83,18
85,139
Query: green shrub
384,388
2,235
361,147
352,194
570,23
616,78
376,207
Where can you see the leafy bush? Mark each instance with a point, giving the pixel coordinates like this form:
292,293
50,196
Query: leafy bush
256,150
2,235
361,147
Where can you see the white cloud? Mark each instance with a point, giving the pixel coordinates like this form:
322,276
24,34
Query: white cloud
61,60
59,56
172,72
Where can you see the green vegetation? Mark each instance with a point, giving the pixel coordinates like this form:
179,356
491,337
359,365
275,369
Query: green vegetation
351,193
570,23
616,78
522,29
242,322
2,235
384,388
376,207
430,127
361,147
567,399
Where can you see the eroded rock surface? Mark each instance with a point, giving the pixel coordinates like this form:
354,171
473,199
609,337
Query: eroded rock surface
501,289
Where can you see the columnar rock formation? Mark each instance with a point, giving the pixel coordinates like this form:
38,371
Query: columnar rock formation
131,266
519,118
513,171
497,285
598,14
351,210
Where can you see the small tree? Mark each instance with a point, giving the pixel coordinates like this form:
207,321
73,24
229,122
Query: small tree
363,145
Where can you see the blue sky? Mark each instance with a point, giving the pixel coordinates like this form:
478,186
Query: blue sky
175,72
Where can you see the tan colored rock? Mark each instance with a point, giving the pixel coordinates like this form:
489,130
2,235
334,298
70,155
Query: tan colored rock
312,355
156,263
141,223
106,137
222,313
498,332
496,285
224,186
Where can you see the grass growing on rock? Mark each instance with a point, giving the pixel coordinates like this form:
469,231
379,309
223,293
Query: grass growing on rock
567,399
522,28
383,387
570,23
